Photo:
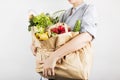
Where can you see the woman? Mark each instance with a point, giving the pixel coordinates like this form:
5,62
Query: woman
86,14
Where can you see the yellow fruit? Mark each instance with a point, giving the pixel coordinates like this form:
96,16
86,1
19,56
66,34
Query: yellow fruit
37,35
43,36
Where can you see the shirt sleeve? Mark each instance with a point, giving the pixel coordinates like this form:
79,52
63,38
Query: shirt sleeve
89,23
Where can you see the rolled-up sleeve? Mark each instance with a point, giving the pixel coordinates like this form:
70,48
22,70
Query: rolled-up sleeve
89,21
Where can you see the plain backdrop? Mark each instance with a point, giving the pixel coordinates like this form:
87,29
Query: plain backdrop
16,59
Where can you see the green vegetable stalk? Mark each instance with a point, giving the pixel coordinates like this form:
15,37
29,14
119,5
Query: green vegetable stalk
77,26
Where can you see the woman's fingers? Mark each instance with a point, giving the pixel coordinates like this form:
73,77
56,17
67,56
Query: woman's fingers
34,49
45,72
53,71
48,72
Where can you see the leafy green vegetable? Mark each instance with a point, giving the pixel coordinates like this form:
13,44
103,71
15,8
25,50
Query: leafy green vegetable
41,20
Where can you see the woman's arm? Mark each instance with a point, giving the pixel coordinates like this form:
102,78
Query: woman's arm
76,43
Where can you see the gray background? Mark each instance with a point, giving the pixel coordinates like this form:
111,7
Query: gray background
16,59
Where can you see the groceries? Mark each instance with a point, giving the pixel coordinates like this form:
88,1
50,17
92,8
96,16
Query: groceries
77,26
46,26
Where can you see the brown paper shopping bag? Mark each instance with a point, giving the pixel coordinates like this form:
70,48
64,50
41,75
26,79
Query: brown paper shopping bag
76,64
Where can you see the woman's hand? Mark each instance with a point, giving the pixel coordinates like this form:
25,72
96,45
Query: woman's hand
48,66
35,44
34,49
